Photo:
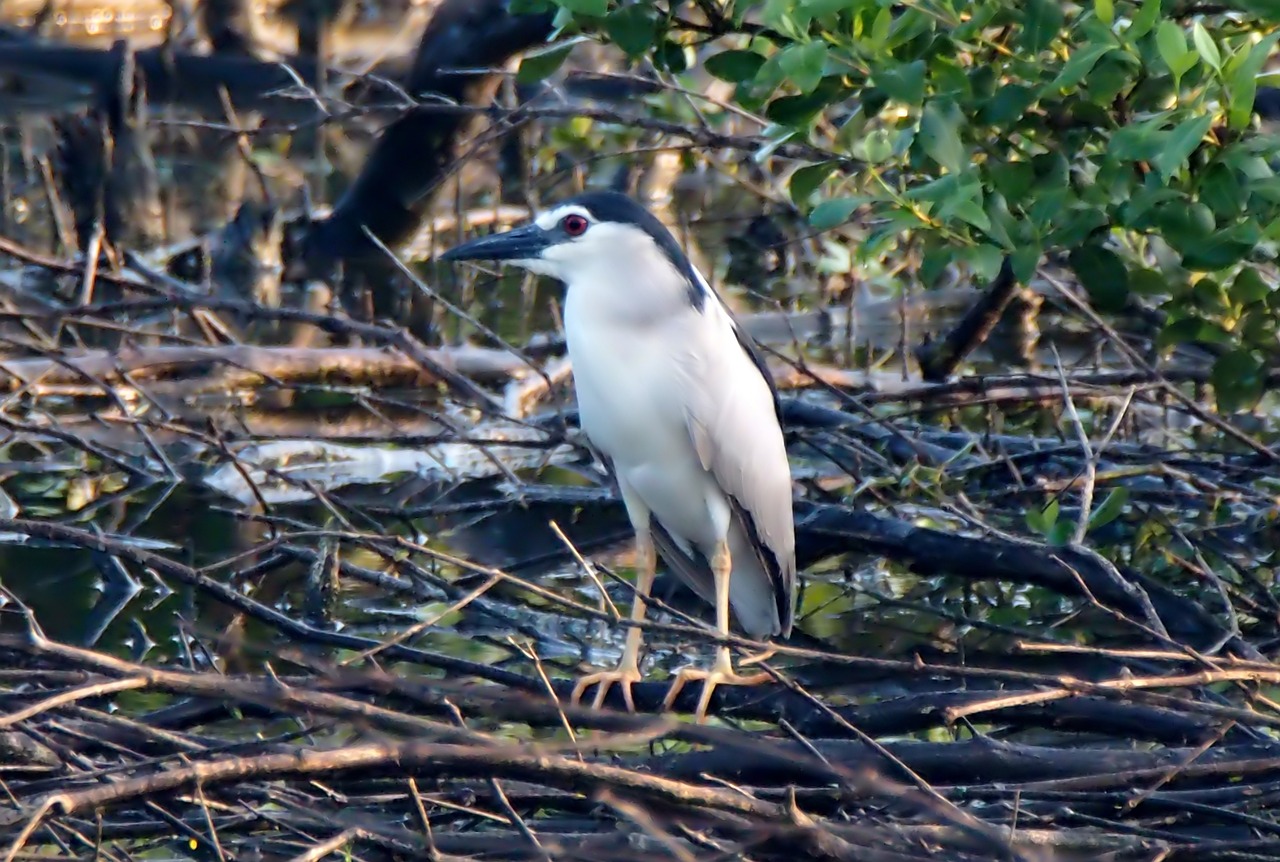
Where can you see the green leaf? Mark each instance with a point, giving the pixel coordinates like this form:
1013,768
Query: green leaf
805,181
1180,144
671,57
1258,328
970,211
633,28
1105,10
535,67
1001,221
1267,189
879,36
903,83
834,212
1144,20
823,8
1138,142
562,20
934,263
1041,521
804,64
1205,45
1077,225
1184,331
1042,21
985,261
1138,211
1025,260
1243,82
1249,287
591,8
1061,534
940,135
1238,380
1009,104
1110,509
876,147
1148,282
1209,295
1171,42
1223,248
1103,275
911,24
799,111
1079,65
1011,179
734,66
1222,191
941,189
1184,224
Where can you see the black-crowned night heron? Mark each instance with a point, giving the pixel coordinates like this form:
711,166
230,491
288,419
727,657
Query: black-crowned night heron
679,404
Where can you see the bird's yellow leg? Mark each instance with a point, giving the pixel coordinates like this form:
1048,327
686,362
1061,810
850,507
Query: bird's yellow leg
722,672
628,669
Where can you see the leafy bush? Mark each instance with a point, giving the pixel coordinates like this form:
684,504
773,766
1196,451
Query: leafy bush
1117,136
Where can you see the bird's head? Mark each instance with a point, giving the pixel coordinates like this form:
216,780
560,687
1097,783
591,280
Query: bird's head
594,235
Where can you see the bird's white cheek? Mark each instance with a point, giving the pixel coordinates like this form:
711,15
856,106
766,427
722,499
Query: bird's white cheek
539,266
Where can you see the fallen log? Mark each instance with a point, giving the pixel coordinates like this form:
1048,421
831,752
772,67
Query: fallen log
235,366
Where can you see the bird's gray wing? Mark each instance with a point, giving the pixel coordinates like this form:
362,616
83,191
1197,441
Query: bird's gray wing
732,415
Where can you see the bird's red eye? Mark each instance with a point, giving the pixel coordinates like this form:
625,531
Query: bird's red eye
574,224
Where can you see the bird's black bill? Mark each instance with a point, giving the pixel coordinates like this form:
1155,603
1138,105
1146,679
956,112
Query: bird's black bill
523,243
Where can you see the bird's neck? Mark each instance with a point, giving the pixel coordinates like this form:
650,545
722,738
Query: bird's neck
627,297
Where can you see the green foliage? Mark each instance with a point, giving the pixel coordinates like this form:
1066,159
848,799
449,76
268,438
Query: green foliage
1116,135
538,65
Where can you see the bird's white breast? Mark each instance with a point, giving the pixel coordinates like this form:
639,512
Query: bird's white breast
630,376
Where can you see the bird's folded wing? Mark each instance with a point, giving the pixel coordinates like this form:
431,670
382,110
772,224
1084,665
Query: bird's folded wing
733,422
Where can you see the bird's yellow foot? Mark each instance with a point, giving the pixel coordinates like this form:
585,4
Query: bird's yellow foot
624,676
758,657
722,673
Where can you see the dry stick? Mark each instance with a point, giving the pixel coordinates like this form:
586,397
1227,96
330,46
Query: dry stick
1132,355
1126,779
67,267
1126,684
1176,769
111,393
422,816
399,338
1090,464
1235,670
606,603
208,822
411,631
642,818
99,689
1207,572
943,807
1086,504
324,848
529,653
217,687
509,811
1254,670
531,763
249,365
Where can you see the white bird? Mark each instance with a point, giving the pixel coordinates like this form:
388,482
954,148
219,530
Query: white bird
681,408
